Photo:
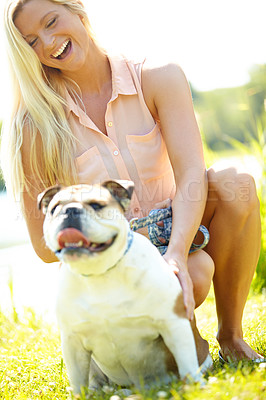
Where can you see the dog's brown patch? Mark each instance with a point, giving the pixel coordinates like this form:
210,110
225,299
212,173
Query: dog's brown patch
179,307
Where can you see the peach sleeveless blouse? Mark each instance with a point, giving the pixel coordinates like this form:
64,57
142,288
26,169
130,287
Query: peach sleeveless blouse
133,148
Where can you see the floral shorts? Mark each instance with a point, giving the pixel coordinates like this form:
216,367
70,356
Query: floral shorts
164,232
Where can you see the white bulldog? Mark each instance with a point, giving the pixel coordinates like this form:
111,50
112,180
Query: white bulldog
120,307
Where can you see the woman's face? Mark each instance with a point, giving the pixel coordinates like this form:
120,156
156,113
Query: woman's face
58,36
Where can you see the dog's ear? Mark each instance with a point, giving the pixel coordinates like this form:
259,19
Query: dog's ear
46,196
121,191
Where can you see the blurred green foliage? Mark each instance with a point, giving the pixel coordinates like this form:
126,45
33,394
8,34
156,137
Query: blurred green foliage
232,112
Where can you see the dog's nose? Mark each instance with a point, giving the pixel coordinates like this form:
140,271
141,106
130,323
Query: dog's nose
72,216
73,212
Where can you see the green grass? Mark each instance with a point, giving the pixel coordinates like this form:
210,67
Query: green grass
31,365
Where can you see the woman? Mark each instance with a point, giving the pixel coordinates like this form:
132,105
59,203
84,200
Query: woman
81,115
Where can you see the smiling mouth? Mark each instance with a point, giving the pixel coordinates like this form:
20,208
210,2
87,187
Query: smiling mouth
74,240
60,53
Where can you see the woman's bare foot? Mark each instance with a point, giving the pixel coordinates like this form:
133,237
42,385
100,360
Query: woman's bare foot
237,349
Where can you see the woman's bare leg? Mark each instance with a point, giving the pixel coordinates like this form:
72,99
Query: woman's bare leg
233,218
201,270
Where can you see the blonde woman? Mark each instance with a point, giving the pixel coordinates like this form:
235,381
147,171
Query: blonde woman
81,115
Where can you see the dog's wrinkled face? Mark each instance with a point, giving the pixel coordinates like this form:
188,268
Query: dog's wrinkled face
85,225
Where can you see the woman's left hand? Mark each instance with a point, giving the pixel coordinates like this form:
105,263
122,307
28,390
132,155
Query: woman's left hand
181,271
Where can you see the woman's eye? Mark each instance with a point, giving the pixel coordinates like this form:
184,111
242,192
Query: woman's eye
32,42
51,22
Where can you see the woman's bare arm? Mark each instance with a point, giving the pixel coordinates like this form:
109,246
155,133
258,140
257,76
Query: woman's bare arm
33,216
168,96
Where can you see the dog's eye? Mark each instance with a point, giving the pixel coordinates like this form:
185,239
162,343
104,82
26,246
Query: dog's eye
96,206
53,209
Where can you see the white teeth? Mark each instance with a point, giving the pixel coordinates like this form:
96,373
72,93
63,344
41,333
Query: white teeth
60,51
78,244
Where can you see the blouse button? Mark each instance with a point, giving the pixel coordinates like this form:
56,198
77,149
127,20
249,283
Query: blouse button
110,124
136,209
116,152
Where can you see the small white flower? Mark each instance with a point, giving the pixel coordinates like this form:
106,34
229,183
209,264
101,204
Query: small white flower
212,379
262,366
162,394
107,389
115,397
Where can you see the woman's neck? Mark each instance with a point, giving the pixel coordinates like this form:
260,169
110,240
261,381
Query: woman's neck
95,73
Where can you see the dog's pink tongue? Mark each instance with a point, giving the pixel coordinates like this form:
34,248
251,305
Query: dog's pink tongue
72,236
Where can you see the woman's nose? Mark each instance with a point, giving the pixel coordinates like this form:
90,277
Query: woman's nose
48,42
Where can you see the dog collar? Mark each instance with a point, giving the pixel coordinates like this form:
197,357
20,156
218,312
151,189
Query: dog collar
129,241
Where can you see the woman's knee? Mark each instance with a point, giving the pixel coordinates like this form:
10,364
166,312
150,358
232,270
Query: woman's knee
233,189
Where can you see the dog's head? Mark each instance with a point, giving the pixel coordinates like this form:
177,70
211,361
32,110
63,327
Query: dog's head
85,225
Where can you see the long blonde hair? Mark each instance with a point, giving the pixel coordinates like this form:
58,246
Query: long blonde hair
39,109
